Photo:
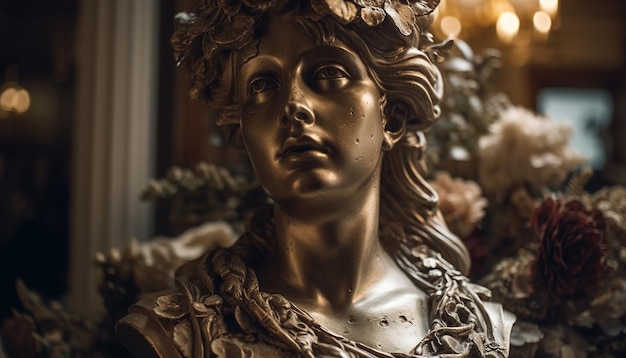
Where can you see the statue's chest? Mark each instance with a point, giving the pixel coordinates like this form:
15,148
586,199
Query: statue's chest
395,323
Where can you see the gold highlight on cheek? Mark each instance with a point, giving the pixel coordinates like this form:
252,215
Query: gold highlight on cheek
368,98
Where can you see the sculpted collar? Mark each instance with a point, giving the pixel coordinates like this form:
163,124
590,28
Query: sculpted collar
218,307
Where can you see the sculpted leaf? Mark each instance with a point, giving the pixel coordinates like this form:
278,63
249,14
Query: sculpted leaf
183,337
201,310
172,306
213,300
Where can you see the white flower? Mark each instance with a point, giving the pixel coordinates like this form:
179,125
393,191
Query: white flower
460,201
522,148
159,258
525,332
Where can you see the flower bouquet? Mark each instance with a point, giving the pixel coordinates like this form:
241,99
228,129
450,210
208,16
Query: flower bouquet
510,187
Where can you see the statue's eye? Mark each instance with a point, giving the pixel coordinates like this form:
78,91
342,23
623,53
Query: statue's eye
331,72
261,84
329,78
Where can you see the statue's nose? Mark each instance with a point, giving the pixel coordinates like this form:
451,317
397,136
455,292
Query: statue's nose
297,110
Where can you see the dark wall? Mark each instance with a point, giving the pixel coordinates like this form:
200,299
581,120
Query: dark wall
37,46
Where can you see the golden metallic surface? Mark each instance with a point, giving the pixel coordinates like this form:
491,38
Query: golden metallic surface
352,259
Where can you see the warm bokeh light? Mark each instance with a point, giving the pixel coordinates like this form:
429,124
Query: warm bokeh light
512,19
21,101
14,99
549,6
542,22
507,26
6,99
451,26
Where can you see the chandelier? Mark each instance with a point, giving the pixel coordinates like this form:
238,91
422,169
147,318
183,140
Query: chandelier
509,20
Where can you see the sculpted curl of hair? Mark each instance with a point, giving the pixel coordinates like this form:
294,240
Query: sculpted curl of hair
212,43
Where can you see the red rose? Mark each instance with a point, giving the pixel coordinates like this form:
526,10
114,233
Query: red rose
570,259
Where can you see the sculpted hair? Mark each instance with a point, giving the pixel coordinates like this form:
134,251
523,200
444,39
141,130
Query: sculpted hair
409,80
404,73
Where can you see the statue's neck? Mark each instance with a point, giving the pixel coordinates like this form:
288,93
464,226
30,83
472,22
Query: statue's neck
333,258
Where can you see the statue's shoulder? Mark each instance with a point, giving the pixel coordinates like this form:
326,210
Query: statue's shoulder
159,324
144,333
192,320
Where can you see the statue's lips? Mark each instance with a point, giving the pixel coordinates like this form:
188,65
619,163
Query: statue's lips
303,147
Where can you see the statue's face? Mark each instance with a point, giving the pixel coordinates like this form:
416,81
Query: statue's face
311,115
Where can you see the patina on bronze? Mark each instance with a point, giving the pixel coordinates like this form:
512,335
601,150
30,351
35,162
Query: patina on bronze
352,259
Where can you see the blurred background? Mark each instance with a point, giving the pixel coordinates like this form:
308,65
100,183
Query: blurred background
92,107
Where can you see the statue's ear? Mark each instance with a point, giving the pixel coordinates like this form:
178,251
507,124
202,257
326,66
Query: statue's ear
229,119
233,135
396,115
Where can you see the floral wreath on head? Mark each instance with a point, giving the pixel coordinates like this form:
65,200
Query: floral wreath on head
204,38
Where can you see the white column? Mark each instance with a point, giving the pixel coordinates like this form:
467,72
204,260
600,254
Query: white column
114,132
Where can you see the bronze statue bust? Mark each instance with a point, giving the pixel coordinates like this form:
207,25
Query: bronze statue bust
328,98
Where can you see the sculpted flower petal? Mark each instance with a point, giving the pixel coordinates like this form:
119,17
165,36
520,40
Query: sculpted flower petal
345,11
372,15
171,306
425,7
402,17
